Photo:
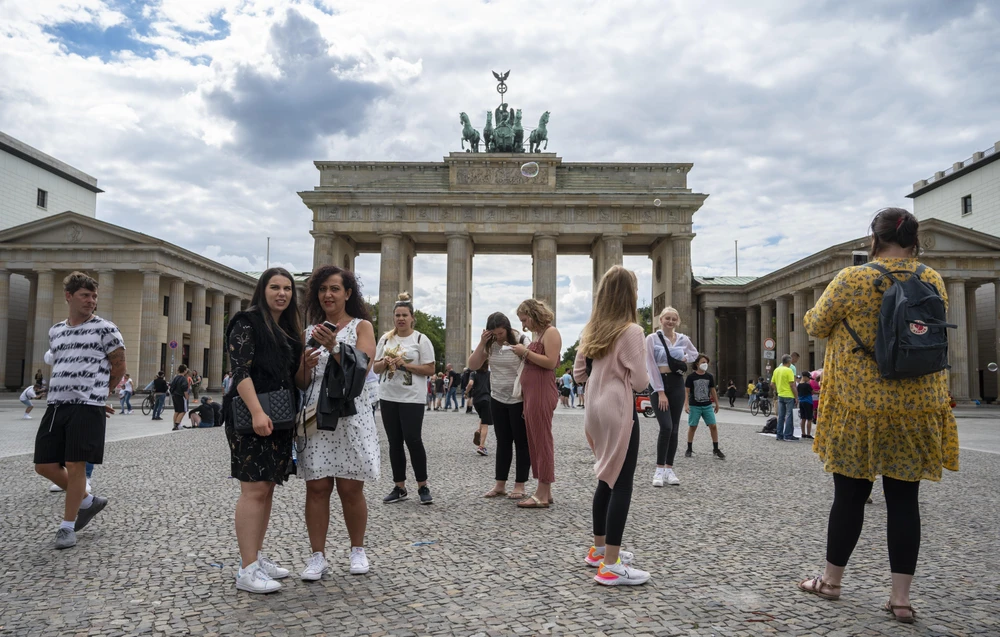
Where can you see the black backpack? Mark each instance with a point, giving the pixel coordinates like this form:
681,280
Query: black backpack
912,335
770,425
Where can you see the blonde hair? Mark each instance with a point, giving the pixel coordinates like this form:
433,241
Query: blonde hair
538,312
669,309
403,300
614,311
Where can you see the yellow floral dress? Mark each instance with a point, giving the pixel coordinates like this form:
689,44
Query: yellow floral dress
869,425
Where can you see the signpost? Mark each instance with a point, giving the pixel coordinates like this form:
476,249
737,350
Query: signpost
769,344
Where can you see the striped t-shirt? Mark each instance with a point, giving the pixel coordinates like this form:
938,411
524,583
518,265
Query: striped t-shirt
81,369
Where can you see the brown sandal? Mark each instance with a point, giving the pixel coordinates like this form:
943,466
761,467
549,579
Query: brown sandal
493,493
816,586
533,503
517,495
905,619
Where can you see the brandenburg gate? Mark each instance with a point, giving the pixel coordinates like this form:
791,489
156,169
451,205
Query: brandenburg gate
482,203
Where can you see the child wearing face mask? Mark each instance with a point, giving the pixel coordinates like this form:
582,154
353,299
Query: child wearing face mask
702,401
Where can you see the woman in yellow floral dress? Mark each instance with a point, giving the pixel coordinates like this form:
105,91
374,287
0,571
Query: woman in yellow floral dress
902,430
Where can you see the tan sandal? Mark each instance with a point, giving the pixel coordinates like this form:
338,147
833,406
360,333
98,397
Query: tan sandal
816,586
517,495
905,619
533,503
493,493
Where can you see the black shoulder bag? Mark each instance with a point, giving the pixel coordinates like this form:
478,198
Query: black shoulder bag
278,405
676,366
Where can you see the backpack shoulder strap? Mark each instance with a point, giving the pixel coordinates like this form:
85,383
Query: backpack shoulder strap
857,339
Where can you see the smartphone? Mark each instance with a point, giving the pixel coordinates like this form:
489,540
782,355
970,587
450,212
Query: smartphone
312,342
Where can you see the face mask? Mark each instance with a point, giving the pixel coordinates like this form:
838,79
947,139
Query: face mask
703,367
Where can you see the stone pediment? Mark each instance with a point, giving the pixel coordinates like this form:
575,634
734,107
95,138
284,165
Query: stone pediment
70,228
941,236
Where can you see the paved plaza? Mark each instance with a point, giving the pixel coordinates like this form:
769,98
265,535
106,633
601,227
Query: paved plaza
725,548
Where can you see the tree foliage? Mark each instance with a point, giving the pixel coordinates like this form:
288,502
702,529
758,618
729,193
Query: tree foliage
569,356
646,319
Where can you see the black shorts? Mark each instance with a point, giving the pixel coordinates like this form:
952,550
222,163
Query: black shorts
805,411
483,409
178,403
71,433
564,391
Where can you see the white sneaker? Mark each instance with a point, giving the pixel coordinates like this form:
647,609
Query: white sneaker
54,488
672,478
658,478
359,561
273,570
620,575
253,579
26,417
90,490
316,567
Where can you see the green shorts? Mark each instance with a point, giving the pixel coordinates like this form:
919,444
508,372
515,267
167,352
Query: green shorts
697,413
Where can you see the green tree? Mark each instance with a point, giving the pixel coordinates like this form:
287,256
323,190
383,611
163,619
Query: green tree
568,358
646,318
373,310
433,328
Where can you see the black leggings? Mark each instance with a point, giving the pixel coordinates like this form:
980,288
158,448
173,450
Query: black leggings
509,429
847,516
611,504
403,422
666,443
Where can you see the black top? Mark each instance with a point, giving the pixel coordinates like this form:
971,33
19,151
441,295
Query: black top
480,387
269,362
160,385
179,385
209,412
439,385
805,391
699,389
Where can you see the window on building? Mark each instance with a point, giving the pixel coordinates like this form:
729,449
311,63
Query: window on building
966,205
42,201
187,312
166,306
208,316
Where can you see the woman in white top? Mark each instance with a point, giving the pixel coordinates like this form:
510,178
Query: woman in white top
496,345
666,375
126,394
349,455
404,359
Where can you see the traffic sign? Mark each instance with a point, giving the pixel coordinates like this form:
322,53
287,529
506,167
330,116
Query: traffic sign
769,343
769,354
173,344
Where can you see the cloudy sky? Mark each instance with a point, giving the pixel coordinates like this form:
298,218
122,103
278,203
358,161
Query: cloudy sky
201,118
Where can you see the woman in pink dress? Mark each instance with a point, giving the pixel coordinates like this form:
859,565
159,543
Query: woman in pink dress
538,386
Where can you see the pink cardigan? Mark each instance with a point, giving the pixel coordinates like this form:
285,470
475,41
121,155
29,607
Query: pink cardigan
610,404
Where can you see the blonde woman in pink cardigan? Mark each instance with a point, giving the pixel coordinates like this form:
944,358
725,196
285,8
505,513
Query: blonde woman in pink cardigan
613,347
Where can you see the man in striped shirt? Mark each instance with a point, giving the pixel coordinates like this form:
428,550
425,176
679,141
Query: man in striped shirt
88,358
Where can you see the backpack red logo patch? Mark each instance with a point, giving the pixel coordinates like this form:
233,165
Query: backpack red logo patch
918,327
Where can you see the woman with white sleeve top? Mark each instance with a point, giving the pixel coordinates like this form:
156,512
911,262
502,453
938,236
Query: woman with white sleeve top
667,354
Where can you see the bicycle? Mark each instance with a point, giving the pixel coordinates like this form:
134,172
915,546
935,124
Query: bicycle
761,405
147,404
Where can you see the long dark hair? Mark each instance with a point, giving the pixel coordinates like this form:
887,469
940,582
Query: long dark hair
499,319
894,225
355,305
289,321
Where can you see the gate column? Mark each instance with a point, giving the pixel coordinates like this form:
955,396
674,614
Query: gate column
544,270
458,341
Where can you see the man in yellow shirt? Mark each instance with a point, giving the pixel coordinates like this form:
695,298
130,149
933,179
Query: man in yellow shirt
783,383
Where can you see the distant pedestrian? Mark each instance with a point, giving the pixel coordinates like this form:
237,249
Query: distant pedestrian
565,388
439,390
454,382
612,347
702,401
126,394
463,382
88,359
479,392
227,383
783,384
804,390
206,414
178,388
195,383
731,393
30,393
39,379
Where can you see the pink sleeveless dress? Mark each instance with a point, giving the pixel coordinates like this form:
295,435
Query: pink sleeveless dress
538,386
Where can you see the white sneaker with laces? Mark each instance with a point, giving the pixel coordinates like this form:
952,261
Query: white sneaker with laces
672,478
273,570
359,561
26,417
620,575
658,478
253,579
316,567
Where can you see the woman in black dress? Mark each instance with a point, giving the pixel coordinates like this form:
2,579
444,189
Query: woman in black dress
731,393
266,352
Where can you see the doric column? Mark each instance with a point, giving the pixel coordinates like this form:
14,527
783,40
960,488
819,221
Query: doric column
407,252
781,328
388,284
106,295
958,345
709,340
458,340
754,346
606,252
215,347
800,340
766,331
972,323
199,339
235,305
544,269
44,295
819,343
175,322
149,328
662,256
4,311
322,248
681,290
29,337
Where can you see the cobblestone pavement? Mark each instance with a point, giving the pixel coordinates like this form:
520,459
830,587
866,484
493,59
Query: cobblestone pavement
725,548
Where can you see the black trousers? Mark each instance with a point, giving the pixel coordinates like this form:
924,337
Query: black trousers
611,505
403,423
670,420
509,429
847,516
